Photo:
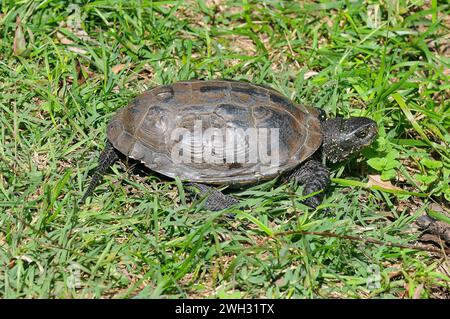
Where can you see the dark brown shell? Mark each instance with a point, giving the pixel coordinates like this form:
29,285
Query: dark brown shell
144,130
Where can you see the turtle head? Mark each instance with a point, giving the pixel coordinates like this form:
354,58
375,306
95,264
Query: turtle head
344,137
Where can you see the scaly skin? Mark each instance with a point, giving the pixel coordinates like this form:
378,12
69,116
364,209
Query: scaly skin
107,158
315,177
216,199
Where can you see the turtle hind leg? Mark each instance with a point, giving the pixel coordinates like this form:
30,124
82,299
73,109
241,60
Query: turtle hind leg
216,199
107,158
315,177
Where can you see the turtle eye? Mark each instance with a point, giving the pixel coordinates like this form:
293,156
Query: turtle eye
362,134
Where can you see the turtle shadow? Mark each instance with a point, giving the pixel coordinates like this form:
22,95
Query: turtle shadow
134,167
138,170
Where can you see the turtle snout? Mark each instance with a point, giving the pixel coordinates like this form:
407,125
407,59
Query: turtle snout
364,130
372,128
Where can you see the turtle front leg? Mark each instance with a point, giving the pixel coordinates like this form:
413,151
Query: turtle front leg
314,176
216,199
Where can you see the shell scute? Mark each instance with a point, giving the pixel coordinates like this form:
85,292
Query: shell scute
163,119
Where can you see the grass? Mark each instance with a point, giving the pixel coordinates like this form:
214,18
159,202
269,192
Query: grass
65,69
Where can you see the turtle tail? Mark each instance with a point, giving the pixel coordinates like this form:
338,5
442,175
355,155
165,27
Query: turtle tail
107,158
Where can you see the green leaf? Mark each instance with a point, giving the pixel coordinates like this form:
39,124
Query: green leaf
425,179
432,164
383,163
439,216
377,163
258,223
447,194
389,174
392,155
222,294
407,111
391,164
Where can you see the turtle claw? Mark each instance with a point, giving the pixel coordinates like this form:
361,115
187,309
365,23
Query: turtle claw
216,199
312,202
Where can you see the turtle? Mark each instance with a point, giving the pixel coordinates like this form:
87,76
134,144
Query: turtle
165,127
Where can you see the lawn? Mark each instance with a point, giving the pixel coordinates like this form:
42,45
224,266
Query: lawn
66,68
